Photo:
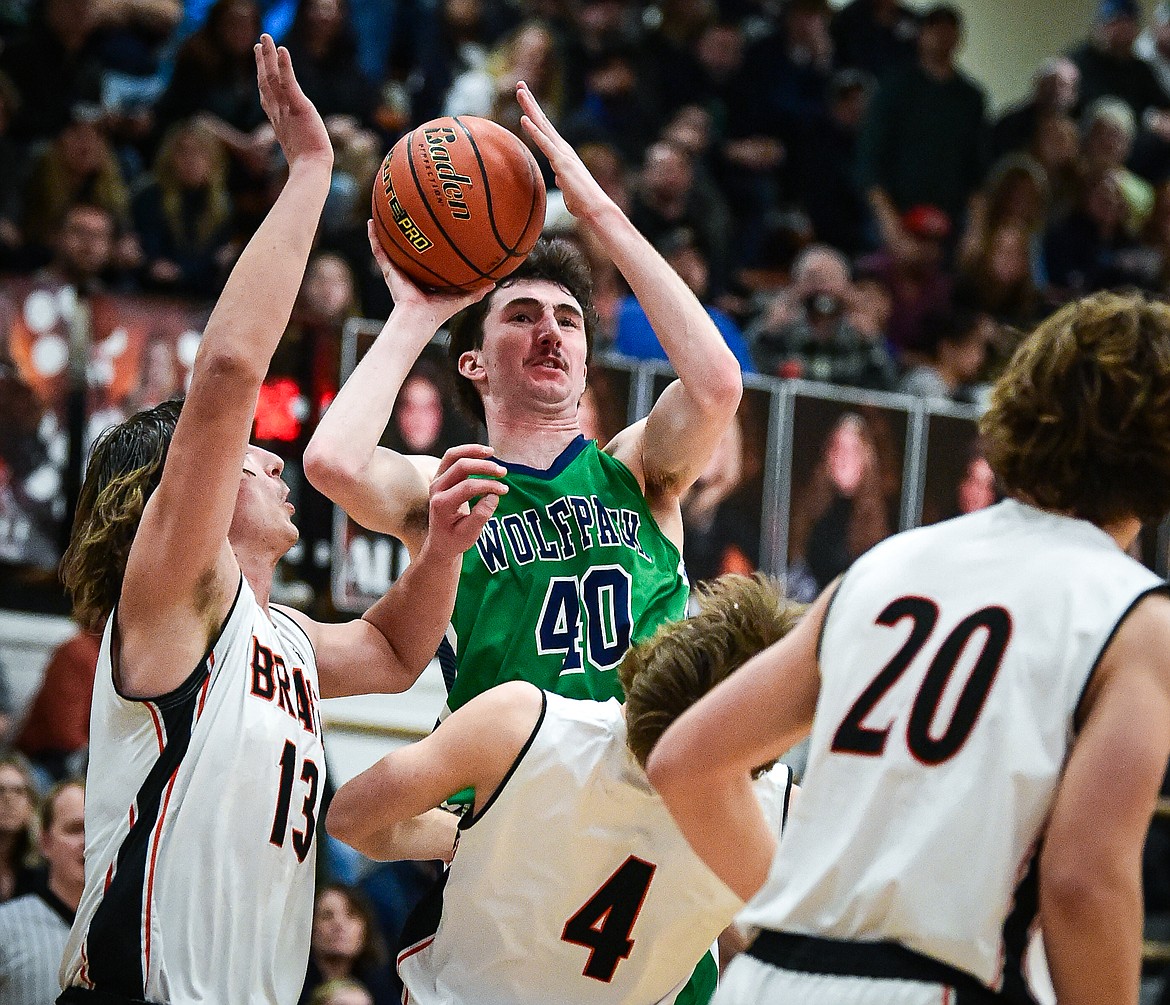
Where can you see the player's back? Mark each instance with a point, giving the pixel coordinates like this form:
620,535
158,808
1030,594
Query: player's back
573,884
952,662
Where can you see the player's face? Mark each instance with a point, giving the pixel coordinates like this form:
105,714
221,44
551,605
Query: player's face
63,844
263,515
533,348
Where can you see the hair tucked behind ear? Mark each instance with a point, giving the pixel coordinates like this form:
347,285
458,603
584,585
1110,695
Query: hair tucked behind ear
666,674
125,467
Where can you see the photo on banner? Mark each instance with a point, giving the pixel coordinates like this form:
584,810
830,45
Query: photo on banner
426,420
845,488
958,478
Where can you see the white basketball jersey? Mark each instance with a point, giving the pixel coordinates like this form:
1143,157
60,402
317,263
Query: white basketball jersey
200,812
952,661
573,884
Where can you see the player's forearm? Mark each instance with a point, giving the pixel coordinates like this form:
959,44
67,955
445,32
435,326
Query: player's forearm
343,445
1092,937
706,367
414,613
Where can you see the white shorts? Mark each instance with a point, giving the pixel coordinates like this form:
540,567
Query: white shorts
748,981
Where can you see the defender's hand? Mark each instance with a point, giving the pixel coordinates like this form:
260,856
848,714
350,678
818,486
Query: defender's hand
299,128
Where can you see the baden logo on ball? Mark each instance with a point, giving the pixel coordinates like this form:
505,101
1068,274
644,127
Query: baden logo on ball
458,203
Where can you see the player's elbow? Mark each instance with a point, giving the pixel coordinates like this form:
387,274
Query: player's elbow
1077,892
328,470
722,386
667,771
342,820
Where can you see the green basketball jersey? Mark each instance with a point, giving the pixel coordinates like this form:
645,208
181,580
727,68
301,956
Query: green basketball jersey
568,572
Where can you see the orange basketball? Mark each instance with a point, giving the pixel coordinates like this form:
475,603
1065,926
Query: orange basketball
458,203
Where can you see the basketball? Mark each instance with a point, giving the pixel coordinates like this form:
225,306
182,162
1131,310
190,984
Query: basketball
458,203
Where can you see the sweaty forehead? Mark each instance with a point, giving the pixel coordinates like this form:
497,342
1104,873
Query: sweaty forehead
543,291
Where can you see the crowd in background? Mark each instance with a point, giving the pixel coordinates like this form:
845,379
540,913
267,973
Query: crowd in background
831,185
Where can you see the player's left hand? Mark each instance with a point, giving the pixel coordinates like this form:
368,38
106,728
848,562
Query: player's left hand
583,195
465,473
298,126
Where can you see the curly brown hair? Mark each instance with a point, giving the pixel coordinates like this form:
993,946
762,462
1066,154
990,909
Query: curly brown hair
1080,420
125,467
666,674
552,259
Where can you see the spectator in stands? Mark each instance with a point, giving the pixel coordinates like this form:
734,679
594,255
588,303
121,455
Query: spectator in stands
875,35
1107,139
1155,239
18,805
1153,45
183,214
924,139
667,198
35,927
54,734
54,67
1109,66
6,708
79,166
346,944
1055,92
996,276
842,510
822,166
634,335
14,166
1056,148
958,344
806,330
913,273
341,991
1091,249
324,51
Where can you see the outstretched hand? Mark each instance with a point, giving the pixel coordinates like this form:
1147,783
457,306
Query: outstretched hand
465,473
299,128
437,307
583,195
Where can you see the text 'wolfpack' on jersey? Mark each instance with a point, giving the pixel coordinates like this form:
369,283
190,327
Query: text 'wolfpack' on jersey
231,759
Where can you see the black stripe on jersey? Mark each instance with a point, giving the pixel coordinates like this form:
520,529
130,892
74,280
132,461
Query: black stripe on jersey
1016,930
445,654
297,625
423,922
1163,588
828,608
787,801
468,819
114,941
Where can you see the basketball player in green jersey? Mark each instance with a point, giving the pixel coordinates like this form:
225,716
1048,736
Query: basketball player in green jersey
583,554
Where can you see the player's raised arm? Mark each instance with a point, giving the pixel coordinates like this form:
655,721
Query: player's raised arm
703,764
1090,869
382,489
181,575
669,451
474,747
390,645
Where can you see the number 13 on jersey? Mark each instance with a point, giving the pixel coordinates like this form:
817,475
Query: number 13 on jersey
587,618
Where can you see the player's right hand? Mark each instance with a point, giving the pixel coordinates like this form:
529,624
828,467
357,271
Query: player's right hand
298,126
464,494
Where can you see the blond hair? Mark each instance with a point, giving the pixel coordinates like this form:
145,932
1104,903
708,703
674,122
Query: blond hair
666,674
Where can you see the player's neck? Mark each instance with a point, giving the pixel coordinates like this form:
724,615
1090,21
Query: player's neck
534,441
1124,530
258,570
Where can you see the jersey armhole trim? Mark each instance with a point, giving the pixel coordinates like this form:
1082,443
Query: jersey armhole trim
828,610
787,801
297,625
184,691
1163,588
470,819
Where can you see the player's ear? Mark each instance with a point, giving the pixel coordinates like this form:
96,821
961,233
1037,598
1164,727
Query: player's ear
471,364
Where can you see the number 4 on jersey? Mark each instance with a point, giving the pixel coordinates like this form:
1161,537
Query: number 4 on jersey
587,619
605,921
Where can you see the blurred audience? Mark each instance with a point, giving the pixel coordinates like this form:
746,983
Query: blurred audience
18,805
346,944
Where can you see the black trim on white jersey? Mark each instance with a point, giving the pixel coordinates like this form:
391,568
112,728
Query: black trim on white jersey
114,944
422,924
1163,588
468,819
828,608
181,694
787,800
1016,930
84,996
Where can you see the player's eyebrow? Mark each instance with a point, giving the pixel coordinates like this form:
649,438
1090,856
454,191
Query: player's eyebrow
533,302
